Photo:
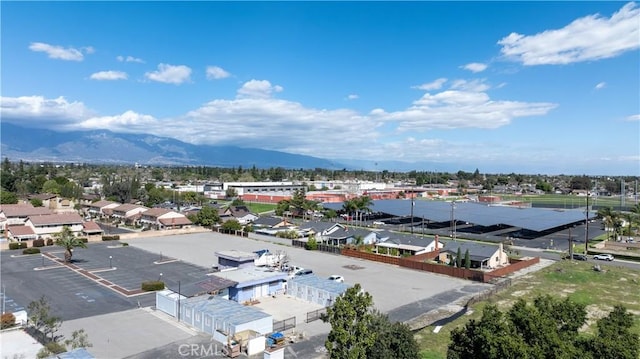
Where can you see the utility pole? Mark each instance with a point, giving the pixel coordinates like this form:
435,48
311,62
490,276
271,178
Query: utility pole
586,231
413,203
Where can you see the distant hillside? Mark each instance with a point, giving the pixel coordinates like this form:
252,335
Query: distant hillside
105,147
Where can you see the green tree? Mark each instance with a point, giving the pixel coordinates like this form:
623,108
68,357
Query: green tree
207,216
231,193
311,244
66,239
350,317
51,186
40,318
282,207
36,202
8,197
393,339
459,258
614,339
79,339
231,225
467,259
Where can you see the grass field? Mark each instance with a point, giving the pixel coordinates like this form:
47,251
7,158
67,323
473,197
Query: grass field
260,207
599,291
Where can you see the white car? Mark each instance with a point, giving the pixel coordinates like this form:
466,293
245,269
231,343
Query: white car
337,278
603,257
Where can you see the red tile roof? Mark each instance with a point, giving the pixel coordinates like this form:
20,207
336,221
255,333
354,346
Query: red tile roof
56,219
23,210
20,230
91,227
176,221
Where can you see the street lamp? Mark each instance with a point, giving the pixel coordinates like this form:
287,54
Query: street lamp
453,220
110,258
160,279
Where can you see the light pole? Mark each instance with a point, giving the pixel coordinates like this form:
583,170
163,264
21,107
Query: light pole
586,232
110,258
453,220
42,255
160,278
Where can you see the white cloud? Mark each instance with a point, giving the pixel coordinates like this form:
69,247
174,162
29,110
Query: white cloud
39,109
633,118
109,75
434,85
601,85
353,97
170,74
588,38
129,59
464,105
257,119
216,73
475,67
59,52
258,89
128,121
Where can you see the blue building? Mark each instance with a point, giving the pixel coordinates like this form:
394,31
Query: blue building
254,283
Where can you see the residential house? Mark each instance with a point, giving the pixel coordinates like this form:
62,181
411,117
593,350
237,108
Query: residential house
483,256
54,202
163,218
17,214
20,233
47,225
270,225
128,213
401,244
239,213
339,234
91,228
87,199
98,209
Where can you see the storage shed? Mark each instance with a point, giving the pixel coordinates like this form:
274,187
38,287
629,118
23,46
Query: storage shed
316,290
254,283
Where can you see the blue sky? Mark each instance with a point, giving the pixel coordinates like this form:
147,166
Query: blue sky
526,87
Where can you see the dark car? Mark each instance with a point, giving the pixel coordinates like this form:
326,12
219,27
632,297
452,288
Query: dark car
579,257
304,272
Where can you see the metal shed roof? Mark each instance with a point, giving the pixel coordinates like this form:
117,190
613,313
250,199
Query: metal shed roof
327,285
535,219
222,309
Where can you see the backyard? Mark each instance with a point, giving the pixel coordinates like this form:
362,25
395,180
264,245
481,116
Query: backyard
599,291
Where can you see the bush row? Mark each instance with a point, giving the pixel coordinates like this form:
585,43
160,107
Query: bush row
152,285
37,243
17,245
111,238
31,250
7,320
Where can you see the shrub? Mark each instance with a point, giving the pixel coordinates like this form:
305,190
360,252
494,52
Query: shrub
124,244
31,250
311,244
111,238
50,242
38,242
17,245
7,320
152,285
84,239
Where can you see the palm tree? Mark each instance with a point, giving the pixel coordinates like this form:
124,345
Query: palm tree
609,218
65,238
362,205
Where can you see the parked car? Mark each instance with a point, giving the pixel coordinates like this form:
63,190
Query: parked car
337,278
579,257
304,272
603,257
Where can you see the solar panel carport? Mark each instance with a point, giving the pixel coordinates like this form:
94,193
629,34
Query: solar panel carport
534,219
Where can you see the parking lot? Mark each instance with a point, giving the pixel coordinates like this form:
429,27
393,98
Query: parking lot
391,286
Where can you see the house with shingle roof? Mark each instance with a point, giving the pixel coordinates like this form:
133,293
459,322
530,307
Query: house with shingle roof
17,214
128,213
483,256
240,213
47,225
270,222
97,209
21,233
55,202
163,218
405,244
91,228
341,235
